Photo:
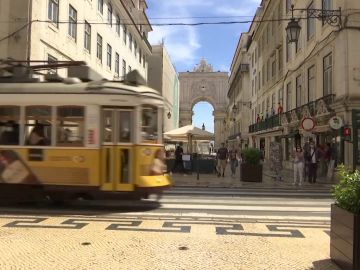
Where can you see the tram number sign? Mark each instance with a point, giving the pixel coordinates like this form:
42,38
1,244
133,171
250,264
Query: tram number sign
308,124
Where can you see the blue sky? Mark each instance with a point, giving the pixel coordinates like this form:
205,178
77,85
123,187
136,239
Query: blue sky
188,44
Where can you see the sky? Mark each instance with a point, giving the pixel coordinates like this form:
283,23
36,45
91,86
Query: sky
188,44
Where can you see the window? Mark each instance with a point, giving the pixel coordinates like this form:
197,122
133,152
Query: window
263,75
72,22
87,37
52,60
109,14
53,11
268,70
300,97
140,56
298,44
118,25
252,87
38,125
130,41
311,84
288,50
123,68
256,85
117,64
327,63
108,56
70,126
125,127
135,49
124,33
99,41
9,125
280,96
326,5
149,123
280,58
273,103
101,6
310,23
144,60
288,5
273,68
288,97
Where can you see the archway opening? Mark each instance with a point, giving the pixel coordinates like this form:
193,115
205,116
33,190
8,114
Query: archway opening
203,117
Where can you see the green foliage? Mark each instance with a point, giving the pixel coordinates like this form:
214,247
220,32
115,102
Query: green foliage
252,156
347,191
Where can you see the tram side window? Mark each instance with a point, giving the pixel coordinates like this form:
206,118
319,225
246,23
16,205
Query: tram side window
70,126
9,125
149,124
38,125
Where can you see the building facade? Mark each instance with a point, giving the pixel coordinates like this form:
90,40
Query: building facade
107,34
164,78
296,89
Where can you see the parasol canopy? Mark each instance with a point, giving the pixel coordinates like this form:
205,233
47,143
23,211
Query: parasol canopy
189,131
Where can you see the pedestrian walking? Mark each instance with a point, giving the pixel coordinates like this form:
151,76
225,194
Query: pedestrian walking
298,165
222,155
178,160
312,158
233,156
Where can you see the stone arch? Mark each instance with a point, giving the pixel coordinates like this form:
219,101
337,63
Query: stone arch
204,85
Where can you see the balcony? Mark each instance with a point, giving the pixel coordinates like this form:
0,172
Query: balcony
311,109
268,123
315,108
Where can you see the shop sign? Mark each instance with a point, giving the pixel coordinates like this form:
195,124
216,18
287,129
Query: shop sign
308,124
336,122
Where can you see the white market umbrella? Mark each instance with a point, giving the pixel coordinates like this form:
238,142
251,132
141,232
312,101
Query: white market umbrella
189,133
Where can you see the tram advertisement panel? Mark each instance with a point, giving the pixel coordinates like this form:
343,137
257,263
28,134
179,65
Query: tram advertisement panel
13,169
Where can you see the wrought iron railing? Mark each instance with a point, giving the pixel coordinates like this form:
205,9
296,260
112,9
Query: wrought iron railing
275,120
267,123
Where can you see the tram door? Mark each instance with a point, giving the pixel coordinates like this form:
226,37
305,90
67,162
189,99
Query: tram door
117,151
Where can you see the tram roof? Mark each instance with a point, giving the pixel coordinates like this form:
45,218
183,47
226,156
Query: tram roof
93,87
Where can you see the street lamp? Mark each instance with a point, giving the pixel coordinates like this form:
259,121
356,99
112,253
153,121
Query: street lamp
331,17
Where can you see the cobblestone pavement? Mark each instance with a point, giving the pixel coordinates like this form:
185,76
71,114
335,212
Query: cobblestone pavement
149,240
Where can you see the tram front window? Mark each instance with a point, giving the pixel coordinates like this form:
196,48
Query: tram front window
9,125
149,124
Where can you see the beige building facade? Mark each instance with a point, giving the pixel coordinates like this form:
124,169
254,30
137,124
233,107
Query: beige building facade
317,78
164,78
104,33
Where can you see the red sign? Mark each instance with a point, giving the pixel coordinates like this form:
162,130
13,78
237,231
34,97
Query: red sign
308,124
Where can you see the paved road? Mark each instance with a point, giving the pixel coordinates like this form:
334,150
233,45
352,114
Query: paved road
180,231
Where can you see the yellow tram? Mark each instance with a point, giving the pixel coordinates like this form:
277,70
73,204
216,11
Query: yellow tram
70,138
